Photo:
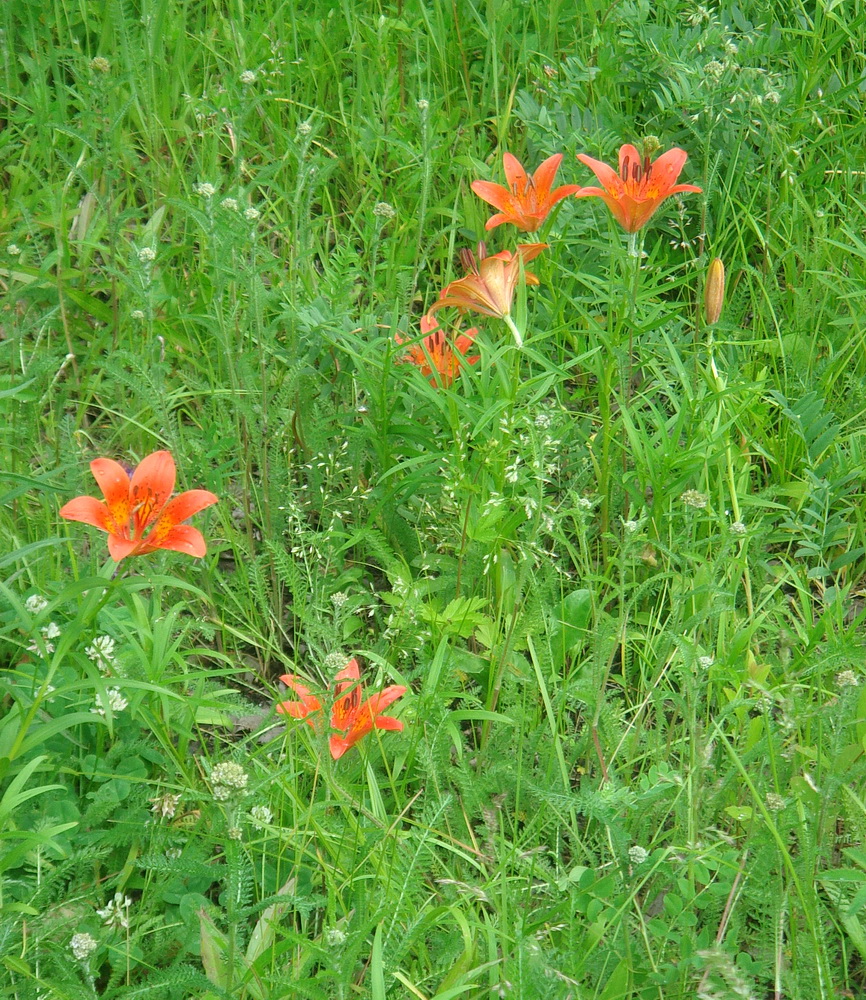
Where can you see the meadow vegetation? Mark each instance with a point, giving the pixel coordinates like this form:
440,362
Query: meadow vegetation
607,585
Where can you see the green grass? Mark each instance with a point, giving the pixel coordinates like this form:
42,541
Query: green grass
632,762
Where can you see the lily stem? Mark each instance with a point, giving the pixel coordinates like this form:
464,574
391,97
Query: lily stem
512,326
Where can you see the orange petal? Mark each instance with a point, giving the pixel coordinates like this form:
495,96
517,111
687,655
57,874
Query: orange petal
119,548
89,510
494,194
386,722
112,479
606,175
152,484
516,176
180,538
628,156
377,703
667,168
545,175
184,505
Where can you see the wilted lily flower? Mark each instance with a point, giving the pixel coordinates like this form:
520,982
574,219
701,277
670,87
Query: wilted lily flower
489,287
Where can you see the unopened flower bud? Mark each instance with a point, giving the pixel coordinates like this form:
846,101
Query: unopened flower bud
714,291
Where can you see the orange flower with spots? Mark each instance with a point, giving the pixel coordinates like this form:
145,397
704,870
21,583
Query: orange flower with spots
634,194
351,718
527,201
137,512
437,358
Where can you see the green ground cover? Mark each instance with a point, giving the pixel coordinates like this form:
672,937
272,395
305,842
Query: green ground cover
614,578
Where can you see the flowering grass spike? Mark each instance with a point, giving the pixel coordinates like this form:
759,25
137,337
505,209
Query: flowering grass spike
351,718
435,355
527,201
137,512
634,194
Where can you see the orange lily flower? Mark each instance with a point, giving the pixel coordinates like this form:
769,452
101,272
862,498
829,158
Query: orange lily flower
352,719
489,287
526,201
138,502
434,354
634,194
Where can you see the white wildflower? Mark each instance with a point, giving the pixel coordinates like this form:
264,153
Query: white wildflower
705,662
775,803
738,528
235,833
261,817
83,946
248,77
116,702
846,678
304,128
137,315
631,526
100,64
229,204
692,498
383,210
35,603
101,651
339,599
146,255
116,912
334,937
165,805
251,214
13,250
422,105
637,854
204,190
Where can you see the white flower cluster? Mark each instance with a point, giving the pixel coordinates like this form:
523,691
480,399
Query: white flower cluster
226,779
165,805
261,817
116,702
83,946
49,631
204,190
34,604
101,652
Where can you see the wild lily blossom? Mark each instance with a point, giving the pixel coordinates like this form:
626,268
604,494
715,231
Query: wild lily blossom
137,512
351,718
634,194
527,201
435,353
490,285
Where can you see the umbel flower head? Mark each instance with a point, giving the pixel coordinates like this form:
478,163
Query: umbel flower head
137,512
527,201
435,355
351,718
634,194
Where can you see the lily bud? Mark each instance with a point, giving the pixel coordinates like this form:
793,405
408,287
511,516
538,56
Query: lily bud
714,291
